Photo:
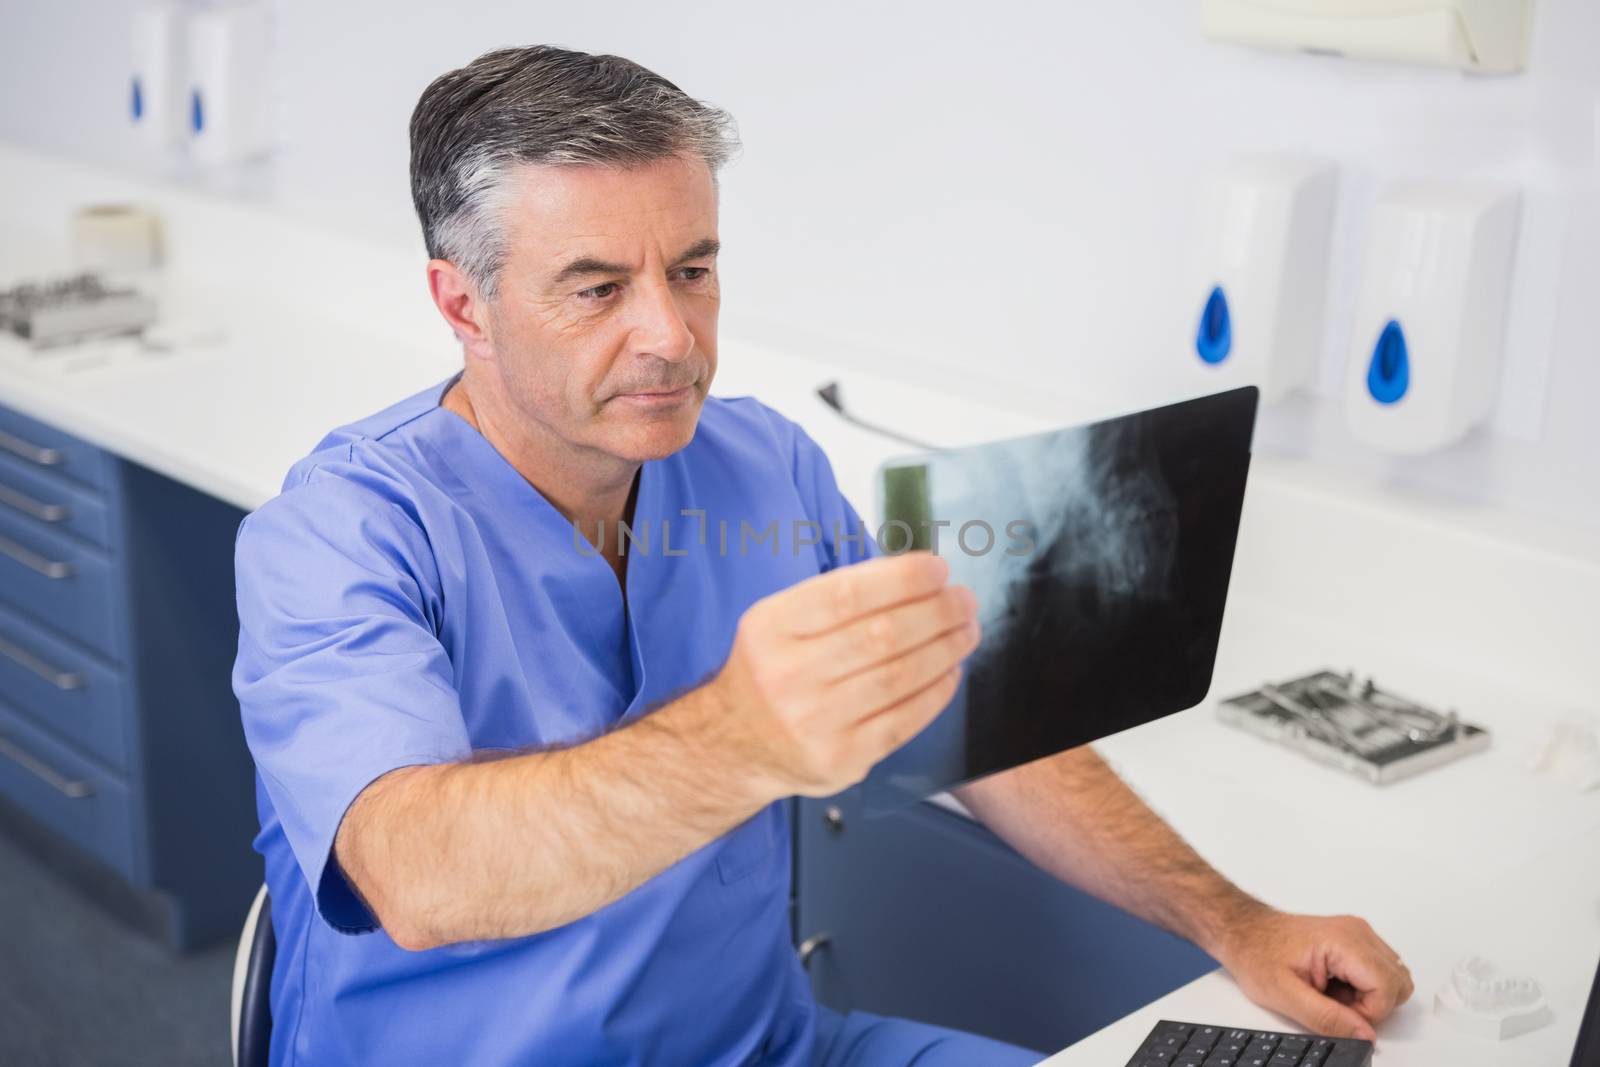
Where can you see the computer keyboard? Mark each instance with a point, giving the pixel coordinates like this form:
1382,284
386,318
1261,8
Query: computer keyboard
1173,1044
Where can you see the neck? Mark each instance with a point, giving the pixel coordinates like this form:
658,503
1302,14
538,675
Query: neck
589,488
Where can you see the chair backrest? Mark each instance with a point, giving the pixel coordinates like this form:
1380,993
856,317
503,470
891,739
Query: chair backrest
251,1005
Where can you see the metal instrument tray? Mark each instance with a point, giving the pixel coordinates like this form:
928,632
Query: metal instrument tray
1354,725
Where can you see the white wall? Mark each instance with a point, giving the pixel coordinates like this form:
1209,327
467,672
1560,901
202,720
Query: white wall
997,196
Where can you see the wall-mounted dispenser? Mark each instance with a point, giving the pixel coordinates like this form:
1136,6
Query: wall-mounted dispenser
158,82
1430,318
1490,36
1259,278
229,103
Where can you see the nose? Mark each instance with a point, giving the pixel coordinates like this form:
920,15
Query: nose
659,329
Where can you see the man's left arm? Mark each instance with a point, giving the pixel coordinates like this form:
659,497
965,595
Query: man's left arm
1074,817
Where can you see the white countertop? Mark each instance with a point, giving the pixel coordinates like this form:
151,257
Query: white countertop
1476,857
227,417
1456,606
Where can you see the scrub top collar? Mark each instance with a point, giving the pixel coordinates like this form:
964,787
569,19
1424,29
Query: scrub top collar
498,484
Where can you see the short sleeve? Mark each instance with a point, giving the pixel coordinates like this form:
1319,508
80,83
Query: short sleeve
340,675
845,537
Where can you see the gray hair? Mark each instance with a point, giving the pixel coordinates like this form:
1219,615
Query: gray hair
473,127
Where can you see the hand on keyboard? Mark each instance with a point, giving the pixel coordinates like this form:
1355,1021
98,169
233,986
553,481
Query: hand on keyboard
1330,974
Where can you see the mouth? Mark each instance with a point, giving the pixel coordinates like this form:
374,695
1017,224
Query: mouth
658,392
657,398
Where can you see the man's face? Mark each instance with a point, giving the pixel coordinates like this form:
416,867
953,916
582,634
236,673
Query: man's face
604,326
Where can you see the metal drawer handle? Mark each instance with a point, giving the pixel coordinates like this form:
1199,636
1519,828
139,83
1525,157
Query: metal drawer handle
28,661
50,568
44,457
75,788
809,947
24,503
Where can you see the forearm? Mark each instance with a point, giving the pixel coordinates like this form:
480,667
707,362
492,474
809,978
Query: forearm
513,846
824,679
1075,818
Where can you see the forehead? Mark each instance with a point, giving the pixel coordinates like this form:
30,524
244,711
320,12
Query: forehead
620,214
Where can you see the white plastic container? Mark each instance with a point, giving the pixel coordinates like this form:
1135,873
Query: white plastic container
1259,274
229,101
157,86
1429,330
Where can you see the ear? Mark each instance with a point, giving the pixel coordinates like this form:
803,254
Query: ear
464,311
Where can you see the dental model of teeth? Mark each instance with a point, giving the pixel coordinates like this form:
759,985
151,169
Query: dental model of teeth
1481,999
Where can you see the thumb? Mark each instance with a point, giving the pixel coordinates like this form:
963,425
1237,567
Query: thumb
1323,1014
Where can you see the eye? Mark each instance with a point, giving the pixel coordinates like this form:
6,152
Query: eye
599,292
696,274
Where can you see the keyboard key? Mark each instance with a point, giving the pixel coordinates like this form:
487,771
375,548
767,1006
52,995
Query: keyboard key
1285,1059
1347,1055
1221,1059
1315,1056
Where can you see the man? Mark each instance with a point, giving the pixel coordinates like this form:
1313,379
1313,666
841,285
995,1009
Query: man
541,778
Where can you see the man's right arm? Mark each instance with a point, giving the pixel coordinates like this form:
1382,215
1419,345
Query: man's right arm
824,679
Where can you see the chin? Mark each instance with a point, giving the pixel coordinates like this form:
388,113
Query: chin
659,436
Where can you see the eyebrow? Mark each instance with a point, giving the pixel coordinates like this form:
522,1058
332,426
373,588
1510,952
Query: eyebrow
587,265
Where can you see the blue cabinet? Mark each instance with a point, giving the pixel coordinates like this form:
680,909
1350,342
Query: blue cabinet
122,759
71,461
926,914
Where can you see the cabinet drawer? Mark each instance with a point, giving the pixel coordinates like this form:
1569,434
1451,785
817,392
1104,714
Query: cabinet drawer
63,689
66,793
53,503
60,581
47,449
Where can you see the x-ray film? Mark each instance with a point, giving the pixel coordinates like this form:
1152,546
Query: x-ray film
1100,556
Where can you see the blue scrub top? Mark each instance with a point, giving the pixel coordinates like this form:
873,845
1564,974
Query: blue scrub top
410,598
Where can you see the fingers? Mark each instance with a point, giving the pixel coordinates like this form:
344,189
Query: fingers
836,597
890,633
1376,983
1399,974
1374,970
895,725
1321,1014
1389,956
887,684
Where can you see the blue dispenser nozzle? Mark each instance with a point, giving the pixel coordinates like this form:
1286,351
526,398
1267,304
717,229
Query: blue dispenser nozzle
1389,373
1214,339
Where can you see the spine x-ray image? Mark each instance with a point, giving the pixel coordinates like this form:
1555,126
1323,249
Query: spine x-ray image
1100,556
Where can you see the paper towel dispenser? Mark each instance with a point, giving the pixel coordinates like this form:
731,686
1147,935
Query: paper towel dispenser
1490,36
